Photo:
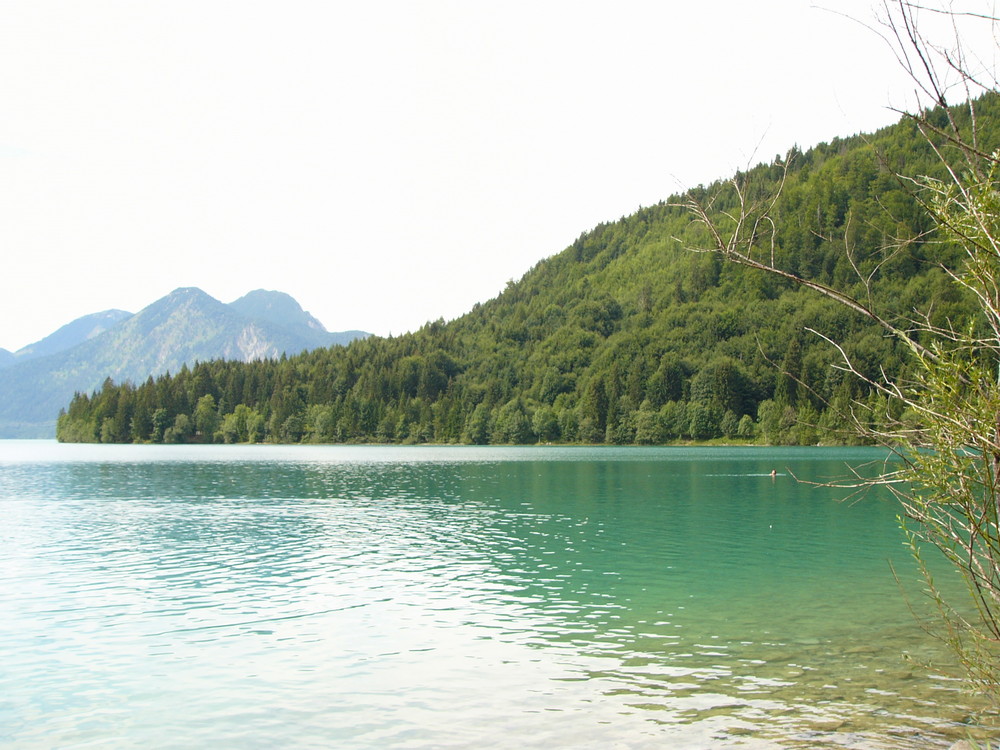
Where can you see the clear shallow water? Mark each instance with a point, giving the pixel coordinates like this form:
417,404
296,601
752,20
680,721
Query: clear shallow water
356,597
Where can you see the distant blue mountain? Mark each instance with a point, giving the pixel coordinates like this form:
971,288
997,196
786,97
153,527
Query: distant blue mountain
180,329
70,335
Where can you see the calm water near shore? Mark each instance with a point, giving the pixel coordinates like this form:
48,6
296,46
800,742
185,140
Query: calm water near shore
386,597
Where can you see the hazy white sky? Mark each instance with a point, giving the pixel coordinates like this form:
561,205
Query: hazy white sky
386,163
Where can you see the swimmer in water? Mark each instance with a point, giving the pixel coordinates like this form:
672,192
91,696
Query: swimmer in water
774,473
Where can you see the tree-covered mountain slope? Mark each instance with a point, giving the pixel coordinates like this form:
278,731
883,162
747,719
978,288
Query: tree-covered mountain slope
182,328
627,336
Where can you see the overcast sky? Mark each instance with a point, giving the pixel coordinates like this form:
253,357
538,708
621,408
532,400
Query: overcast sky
385,163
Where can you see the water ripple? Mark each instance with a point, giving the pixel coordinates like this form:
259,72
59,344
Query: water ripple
410,598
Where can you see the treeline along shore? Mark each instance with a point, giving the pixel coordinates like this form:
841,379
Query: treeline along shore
625,337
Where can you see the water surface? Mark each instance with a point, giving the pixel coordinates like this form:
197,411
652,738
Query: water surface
359,597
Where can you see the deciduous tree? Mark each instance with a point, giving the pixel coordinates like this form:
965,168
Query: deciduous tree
940,417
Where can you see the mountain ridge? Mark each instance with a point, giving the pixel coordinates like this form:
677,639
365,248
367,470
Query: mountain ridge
75,332
178,329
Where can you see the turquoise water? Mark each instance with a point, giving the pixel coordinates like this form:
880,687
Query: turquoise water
360,597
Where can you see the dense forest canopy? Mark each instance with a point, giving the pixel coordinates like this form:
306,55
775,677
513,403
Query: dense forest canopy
625,337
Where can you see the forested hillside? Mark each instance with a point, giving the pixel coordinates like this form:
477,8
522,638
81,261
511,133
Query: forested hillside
625,337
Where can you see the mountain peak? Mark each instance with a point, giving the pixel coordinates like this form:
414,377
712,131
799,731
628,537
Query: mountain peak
189,292
275,307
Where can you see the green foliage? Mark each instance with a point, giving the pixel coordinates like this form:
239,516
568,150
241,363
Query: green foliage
624,337
512,425
206,418
945,413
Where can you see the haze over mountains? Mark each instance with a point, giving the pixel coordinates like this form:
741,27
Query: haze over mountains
186,326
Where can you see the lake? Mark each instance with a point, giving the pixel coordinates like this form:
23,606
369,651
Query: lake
466,597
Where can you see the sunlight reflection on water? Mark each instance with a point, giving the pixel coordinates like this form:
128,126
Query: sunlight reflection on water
411,598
